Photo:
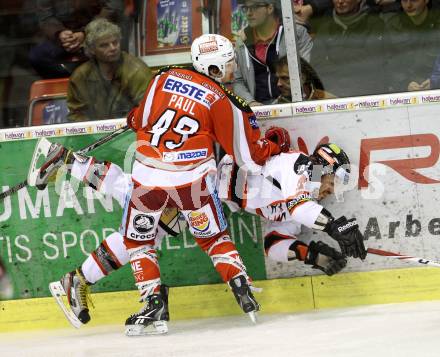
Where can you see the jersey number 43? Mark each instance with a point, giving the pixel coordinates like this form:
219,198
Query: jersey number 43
183,127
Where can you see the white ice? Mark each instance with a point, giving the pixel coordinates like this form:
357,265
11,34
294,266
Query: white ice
396,330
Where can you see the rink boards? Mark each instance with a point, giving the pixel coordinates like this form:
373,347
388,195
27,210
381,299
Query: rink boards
204,301
43,235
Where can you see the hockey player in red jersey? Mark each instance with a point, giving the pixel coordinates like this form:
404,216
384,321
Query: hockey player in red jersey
183,113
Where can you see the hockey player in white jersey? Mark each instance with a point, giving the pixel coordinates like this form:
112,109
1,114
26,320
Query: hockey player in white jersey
289,199
286,201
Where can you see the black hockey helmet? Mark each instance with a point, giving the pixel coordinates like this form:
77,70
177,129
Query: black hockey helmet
333,159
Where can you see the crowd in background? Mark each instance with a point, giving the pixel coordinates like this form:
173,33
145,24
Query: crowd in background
346,48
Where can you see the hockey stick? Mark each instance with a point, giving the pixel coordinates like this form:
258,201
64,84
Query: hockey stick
410,258
85,150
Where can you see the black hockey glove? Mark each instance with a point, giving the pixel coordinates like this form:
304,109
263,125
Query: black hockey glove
347,234
325,258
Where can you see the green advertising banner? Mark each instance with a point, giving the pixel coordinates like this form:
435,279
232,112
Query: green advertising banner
44,234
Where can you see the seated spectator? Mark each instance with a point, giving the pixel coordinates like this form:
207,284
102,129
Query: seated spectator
304,10
384,6
62,23
311,85
348,51
434,81
111,82
259,46
414,44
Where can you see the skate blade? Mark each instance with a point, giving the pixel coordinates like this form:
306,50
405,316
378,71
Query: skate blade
57,291
156,328
253,316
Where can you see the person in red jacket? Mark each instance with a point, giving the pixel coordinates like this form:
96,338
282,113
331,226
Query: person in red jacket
184,112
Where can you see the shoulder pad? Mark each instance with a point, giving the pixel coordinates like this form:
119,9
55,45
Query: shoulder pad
168,68
239,102
302,164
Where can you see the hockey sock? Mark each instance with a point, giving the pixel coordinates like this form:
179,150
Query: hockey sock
224,256
145,267
110,255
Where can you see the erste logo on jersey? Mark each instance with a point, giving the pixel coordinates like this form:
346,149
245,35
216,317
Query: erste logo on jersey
199,221
190,90
187,155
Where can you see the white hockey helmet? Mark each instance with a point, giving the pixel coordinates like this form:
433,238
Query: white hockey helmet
212,50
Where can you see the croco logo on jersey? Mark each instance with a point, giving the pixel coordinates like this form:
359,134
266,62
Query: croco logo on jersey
199,221
143,223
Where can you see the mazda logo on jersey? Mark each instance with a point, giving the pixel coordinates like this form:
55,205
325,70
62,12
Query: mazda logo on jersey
143,223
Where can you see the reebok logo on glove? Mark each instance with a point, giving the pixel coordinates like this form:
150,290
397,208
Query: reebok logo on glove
347,226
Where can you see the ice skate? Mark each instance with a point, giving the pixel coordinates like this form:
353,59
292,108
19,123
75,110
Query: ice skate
55,156
152,318
243,294
75,287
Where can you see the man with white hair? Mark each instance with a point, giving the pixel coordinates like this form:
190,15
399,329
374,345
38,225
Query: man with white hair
111,82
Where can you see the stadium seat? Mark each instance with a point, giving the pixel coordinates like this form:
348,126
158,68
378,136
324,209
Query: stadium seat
47,102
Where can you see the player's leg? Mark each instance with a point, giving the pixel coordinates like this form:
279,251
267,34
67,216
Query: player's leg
208,225
141,219
108,257
280,244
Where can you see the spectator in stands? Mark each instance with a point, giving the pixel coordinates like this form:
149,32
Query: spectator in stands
305,10
111,82
259,46
311,85
434,81
348,51
62,23
414,44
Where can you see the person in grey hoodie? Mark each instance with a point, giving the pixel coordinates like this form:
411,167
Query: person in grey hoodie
259,47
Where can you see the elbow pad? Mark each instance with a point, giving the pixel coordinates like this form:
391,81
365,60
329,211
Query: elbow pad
323,219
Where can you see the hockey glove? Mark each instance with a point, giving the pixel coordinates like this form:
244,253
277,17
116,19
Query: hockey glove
347,234
279,136
325,258
320,255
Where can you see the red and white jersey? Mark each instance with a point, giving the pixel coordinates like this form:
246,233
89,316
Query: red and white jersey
282,192
182,115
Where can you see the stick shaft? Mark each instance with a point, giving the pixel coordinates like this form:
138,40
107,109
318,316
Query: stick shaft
388,254
85,150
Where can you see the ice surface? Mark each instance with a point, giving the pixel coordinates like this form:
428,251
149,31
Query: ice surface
396,330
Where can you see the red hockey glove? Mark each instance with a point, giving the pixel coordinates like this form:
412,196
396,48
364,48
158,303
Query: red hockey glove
131,121
279,136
